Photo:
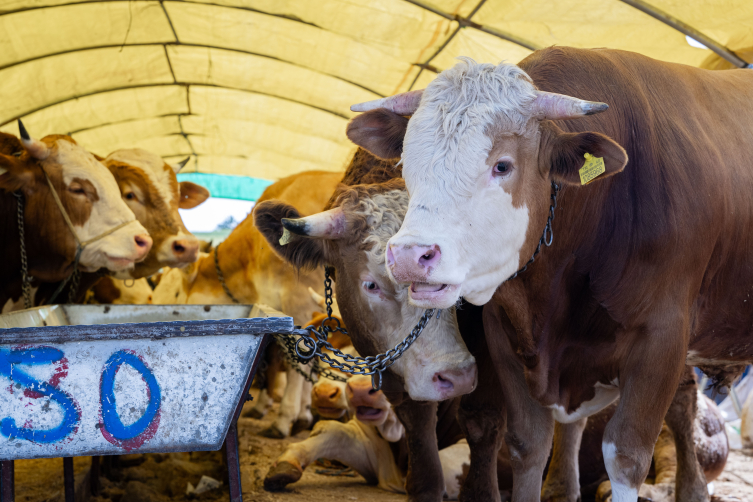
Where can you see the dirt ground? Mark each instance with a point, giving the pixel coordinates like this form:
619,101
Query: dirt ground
164,477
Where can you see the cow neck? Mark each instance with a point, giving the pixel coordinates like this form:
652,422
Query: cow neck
220,276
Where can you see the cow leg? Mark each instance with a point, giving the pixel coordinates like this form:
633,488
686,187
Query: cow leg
562,479
305,418
648,379
290,407
261,407
530,426
482,419
425,481
332,440
691,482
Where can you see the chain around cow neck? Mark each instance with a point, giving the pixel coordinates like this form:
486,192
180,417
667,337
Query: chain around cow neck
220,275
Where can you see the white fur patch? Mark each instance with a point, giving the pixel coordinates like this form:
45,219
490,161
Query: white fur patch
621,490
153,166
605,395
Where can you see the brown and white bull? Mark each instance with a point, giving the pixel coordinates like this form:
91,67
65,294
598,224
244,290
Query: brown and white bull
91,199
151,189
649,269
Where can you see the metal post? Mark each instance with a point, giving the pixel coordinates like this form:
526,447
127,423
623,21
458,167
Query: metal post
7,481
233,463
94,477
70,488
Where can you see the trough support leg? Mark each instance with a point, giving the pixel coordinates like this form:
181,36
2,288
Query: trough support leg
7,481
233,464
70,484
94,477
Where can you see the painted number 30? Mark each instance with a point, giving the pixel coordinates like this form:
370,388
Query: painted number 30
127,437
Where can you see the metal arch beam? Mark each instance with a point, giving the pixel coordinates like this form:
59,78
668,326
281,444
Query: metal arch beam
470,24
688,30
181,84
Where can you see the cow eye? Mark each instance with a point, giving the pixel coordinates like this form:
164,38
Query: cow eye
371,287
77,189
130,196
502,167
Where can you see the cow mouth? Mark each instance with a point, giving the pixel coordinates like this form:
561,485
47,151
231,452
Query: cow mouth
425,294
120,262
368,414
330,412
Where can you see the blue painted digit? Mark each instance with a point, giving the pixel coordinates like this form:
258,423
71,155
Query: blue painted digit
110,418
35,356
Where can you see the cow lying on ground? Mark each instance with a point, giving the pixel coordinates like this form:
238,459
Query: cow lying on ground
591,465
363,443
642,278
91,199
255,274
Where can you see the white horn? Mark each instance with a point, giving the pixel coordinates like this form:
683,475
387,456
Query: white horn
553,106
405,103
328,225
36,148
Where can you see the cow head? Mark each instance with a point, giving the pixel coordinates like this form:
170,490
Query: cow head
353,237
329,396
151,189
372,408
90,197
479,155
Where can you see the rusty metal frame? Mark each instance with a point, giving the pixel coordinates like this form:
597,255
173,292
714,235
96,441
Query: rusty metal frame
62,334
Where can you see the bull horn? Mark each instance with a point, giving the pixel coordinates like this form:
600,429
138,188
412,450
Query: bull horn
180,165
36,148
405,103
327,225
553,106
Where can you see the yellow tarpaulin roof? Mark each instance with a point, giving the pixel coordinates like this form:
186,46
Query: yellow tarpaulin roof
262,88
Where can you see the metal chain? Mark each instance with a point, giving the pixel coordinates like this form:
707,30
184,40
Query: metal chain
220,276
547,237
25,277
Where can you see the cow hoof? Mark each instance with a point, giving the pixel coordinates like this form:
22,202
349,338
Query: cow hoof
300,425
281,476
254,413
272,432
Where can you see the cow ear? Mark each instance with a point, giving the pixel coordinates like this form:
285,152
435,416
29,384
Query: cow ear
564,154
380,132
14,173
391,430
191,195
299,251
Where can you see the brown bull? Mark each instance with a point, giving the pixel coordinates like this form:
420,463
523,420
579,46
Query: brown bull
650,269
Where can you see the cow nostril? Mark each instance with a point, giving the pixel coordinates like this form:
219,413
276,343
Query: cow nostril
334,394
178,247
372,391
140,241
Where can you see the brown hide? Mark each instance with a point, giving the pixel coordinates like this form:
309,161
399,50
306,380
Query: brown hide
249,265
50,246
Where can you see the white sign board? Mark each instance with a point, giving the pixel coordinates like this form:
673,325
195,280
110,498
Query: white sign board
75,390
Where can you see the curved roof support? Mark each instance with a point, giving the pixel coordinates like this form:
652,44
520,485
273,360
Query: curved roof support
467,22
688,30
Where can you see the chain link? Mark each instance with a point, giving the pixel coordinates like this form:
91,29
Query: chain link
25,277
547,237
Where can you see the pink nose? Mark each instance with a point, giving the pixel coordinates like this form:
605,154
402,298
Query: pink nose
451,383
143,245
412,263
361,393
186,250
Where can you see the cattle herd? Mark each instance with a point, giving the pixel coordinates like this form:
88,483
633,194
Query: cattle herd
581,222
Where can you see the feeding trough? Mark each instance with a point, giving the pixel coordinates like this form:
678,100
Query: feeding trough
105,380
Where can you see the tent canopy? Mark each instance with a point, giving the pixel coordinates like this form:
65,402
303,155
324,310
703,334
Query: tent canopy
262,88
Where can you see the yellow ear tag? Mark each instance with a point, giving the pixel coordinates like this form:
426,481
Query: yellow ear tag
592,168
